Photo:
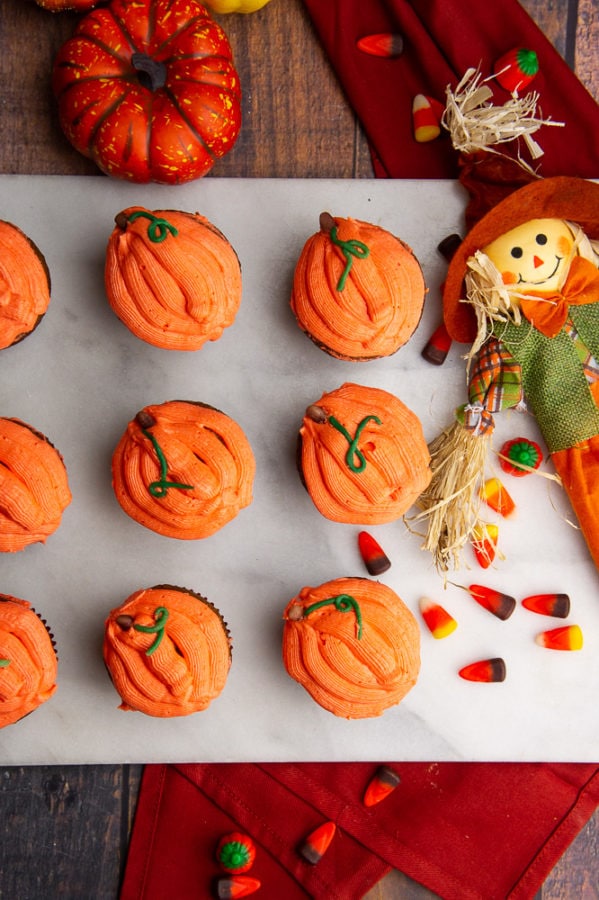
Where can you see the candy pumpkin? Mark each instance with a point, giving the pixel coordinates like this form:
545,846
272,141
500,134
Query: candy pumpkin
28,663
24,285
172,277
33,486
147,89
353,645
358,291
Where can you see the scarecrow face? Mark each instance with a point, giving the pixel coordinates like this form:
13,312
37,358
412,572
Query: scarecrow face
534,256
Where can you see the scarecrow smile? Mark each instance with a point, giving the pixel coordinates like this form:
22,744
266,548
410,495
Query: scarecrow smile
522,280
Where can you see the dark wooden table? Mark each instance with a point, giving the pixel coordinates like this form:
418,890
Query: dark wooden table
65,829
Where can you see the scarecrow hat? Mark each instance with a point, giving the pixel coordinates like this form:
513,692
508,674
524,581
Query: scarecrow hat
560,197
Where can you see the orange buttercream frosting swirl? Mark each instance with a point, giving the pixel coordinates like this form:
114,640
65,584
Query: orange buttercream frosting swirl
28,664
363,456
353,645
183,469
172,277
358,291
168,651
34,490
24,285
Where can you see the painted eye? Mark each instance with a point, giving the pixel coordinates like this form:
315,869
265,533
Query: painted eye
517,252
541,239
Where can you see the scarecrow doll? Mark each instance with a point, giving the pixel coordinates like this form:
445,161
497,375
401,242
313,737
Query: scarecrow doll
523,288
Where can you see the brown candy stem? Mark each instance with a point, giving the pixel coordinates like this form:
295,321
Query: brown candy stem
317,414
121,221
124,622
326,222
144,419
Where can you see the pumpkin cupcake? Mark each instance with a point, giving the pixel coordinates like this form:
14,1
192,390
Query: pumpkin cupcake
28,663
353,645
33,486
358,291
168,651
183,469
362,455
24,285
172,277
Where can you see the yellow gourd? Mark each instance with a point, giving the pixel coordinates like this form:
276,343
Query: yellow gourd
235,6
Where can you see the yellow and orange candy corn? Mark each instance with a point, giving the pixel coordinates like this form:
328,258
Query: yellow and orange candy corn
484,543
236,886
497,497
557,605
568,637
387,44
383,783
485,670
426,119
438,346
375,559
438,621
317,843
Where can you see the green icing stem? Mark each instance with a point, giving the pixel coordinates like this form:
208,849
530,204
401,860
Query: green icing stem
160,487
158,229
349,249
160,618
342,603
4,663
353,442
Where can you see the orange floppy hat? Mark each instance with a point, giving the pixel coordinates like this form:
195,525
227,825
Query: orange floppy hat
561,197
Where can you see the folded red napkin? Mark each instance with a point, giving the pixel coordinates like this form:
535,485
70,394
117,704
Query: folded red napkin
441,41
470,830
476,831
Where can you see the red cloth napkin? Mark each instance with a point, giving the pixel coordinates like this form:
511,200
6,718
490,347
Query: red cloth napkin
470,830
441,41
476,831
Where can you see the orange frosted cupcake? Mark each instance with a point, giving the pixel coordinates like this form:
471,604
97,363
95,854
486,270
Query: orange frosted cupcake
183,469
34,490
172,277
28,664
24,285
353,645
168,651
362,455
358,291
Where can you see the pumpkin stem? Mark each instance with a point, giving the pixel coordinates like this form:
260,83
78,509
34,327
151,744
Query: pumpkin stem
151,73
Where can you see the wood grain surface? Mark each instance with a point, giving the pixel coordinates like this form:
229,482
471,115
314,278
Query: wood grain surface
65,830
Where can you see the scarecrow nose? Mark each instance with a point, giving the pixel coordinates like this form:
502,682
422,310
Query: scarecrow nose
537,262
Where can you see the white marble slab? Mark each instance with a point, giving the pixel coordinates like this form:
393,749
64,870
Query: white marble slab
81,376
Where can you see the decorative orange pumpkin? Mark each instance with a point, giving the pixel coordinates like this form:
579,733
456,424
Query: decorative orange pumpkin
24,285
358,291
168,651
33,486
353,645
148,90
28,663
172,277
183,469
362,455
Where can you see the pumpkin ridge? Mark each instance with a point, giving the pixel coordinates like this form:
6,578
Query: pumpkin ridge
191,127
177,34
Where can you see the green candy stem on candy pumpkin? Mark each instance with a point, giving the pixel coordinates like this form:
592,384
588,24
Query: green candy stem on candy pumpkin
353,442
235,856
520,456
343,603
160,620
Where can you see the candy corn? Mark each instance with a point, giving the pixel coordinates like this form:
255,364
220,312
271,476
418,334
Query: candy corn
236,852
485,670
557,605
317,843
438,346
374,558
236,886
437,620
425,119
516,69
568,637
495,495
385,44
520,456
383,783
484,543
501,605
